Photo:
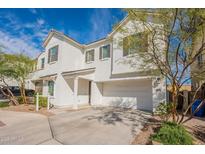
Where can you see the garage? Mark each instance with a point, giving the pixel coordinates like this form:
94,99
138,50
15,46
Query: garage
135,94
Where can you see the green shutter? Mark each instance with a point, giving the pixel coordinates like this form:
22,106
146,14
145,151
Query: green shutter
100,56
93,54
125,46
86,56
56,53
51,87
108,50
49,56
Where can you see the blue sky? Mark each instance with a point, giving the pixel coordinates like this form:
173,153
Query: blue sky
23,30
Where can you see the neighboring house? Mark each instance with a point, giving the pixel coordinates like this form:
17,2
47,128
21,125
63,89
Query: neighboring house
94,74
9,82
199,66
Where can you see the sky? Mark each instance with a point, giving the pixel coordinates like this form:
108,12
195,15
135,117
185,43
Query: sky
23,30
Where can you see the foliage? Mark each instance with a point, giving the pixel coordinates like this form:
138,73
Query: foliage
42,101
4,104
172,133
20,99
163,110
175,39
16,67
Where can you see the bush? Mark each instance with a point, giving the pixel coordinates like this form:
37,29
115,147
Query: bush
172,133
4,104
163,110
42,101
20,99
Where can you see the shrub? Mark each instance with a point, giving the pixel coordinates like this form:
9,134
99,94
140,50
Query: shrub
42,101
172,133
4,104
163,110
20,99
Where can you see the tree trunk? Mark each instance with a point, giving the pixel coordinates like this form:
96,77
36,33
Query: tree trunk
195,111
190,105
174,98
9,95
174,102
23,94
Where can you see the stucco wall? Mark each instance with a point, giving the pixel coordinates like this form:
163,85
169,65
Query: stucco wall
71,57
158,91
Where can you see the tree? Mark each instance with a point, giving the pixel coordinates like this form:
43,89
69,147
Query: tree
17,67
5,73
171,35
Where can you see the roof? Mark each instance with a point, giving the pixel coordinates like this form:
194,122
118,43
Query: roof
53,31
119,25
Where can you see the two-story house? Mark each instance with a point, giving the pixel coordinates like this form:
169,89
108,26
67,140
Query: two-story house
77,74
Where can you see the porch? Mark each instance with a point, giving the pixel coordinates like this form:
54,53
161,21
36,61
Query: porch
79,86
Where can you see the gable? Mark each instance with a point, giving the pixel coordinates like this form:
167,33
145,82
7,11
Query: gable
61,37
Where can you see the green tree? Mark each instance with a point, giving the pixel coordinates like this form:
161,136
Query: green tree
170,35
6,73
17,67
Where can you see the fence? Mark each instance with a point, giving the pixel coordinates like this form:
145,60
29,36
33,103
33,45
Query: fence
38,101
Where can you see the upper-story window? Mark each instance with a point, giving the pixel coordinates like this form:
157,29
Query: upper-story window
89,55
53,54
42,63
105,51
135,43
200,59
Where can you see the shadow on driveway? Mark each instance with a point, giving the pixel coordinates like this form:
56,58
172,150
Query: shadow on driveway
105,125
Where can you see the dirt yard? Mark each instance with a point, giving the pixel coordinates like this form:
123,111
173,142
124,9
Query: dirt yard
27,108
195,126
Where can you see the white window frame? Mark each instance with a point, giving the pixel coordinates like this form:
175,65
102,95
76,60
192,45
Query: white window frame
93,56
49,54
102,52
130,54
42,63
53,88
200,60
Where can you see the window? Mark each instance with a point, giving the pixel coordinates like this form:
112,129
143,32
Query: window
53,54
42,63
200,60
135,43
89,56
105,52
51,88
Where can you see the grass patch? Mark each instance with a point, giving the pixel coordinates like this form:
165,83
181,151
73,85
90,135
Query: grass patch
172,134
4,104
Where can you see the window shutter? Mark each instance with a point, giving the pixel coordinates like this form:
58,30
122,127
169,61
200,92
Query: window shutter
93,55
125,46
86,56
49,56
100,56
108,48
57,53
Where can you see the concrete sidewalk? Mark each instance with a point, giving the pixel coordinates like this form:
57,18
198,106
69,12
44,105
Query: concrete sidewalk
24,128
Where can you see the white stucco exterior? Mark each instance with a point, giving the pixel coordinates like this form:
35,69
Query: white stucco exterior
100,82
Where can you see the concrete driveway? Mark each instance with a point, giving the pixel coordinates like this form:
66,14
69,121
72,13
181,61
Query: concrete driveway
88,126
